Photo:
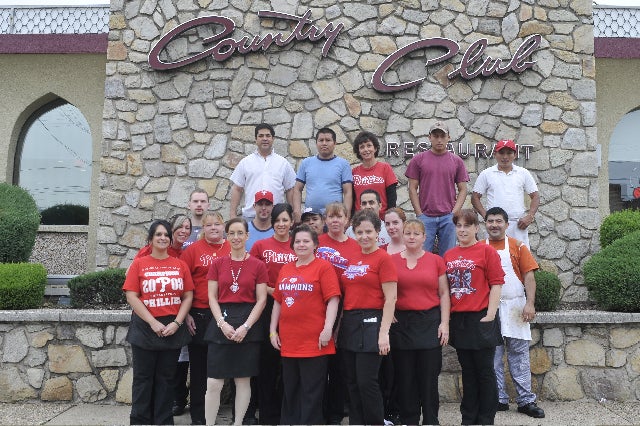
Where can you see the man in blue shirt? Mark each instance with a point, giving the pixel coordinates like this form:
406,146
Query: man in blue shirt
327,177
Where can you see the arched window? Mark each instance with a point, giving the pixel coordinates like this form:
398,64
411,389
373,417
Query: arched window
624,163
53,163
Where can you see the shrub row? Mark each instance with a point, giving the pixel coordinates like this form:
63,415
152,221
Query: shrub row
19,221
98,290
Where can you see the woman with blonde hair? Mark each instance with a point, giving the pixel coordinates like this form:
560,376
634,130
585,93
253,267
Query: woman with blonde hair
421,327
199,256
180,232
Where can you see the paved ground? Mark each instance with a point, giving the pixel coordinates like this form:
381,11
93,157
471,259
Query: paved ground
558,413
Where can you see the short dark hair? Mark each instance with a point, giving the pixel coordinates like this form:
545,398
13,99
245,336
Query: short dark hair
326,130
366,215
468,216
154,227
280,208
236,220
497,211
362,138
371,191
304,228
264,126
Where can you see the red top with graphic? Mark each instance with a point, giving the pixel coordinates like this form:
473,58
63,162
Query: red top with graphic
274,254
471,272
248,273
337,253
362,280
159,282
146,251
378,178
418,287
303,293
199,256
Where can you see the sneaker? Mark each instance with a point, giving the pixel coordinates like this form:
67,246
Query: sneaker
532,410
503,406
388,422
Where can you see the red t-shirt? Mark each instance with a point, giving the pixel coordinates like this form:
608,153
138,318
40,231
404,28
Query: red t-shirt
362,281
199,256
159,282
471,272
274,254
418,287
146,251
337,253
303,293
249,272
378,178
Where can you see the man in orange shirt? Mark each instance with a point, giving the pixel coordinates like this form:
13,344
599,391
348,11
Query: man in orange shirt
516,310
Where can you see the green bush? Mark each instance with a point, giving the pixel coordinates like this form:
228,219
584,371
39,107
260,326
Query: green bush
19,220
619,224
547,291
22,285
100,290
65,214
613,275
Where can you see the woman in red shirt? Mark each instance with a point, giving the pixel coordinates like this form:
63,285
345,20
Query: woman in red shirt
305,308
422,327
160,290
369,288
475,278
372,174
275,252
199,256
180,231
237,295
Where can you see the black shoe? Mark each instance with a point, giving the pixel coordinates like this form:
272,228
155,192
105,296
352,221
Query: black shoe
177,409
198,422
532,410
503,407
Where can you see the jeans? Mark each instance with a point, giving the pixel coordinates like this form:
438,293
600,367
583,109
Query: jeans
443,227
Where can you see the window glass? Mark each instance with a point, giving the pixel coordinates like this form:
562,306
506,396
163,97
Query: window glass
624,163
55,160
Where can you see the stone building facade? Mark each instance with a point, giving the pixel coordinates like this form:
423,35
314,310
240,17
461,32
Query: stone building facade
166,132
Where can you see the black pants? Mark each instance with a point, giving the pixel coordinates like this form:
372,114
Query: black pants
152,391
198,369
417,374
479,389
304,380
335,392
269,385
365,398
181,389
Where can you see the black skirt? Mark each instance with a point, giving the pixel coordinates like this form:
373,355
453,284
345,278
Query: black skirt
467,332
415,330
225,361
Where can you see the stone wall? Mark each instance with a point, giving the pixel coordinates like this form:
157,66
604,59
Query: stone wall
166,132
71,355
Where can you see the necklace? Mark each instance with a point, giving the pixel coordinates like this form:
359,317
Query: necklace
234,286
212,245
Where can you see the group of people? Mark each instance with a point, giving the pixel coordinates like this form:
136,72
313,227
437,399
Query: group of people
346,293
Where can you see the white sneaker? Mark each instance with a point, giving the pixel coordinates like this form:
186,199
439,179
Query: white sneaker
388,422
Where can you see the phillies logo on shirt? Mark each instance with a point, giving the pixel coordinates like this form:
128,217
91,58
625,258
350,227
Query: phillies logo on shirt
357,270
333,256
289,301
367,180
271,256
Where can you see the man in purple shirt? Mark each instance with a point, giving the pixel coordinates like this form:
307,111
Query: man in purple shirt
433,177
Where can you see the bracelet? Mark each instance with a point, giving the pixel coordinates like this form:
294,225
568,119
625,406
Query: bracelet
247,326
272,334
220,322
177,323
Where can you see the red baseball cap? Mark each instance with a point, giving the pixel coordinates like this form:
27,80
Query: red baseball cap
506,143
264,195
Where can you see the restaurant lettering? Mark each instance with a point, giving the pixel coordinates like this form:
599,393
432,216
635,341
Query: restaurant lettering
472,65
464,150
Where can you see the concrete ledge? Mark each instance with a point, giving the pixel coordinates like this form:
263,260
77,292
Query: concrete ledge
124,316
64,228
